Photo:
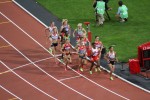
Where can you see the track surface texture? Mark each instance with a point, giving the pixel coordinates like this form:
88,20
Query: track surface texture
28,71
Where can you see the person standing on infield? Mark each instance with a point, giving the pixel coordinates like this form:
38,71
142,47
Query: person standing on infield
100,10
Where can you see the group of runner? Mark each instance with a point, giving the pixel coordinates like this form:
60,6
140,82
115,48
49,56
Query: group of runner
84,49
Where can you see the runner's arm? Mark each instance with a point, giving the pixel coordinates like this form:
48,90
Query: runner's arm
69,29
106,57
74,33
84,31
116,57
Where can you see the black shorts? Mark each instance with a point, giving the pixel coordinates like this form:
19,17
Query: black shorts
111,62
82,56
54,45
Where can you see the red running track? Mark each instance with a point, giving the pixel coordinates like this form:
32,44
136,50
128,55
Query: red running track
18,49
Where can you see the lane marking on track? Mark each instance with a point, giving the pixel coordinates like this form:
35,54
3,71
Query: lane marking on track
69,78
5,2
5,46
60,61
27,81
13,99
4,22
10,92
72,46
42,71
28,64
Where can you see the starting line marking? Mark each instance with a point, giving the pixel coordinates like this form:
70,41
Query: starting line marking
5,46
69,78
10,93
4,22
5,1
28,64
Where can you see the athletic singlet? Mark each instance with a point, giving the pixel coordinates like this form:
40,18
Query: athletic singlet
54,36
111,56
66,27
79,32
67,46
51,29
85,41
82,49
98,44
95,52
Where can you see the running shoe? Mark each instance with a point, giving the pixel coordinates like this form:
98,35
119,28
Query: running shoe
95,69
61,60
99,69
81,69
111,78
90,72
122,21
50,50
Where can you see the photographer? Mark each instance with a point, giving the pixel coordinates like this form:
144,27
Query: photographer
106,6
99,6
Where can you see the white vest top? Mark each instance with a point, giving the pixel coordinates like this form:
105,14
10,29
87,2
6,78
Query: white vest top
111,55
54,36
95,52
51,29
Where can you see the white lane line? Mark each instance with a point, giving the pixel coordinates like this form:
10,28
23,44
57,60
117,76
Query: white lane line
69,78
28,82
10,92
29,13
28,64
73,47
60,61
44,70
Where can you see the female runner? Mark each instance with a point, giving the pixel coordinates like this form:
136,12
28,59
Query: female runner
111,59
49,31
66,52
98,44
54,39
79,31
95,58
81,49
65,29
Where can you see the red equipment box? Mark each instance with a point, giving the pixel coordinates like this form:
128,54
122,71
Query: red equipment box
134,66
144,55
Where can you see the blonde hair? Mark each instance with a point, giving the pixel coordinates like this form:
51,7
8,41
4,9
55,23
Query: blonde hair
79,24
63,20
